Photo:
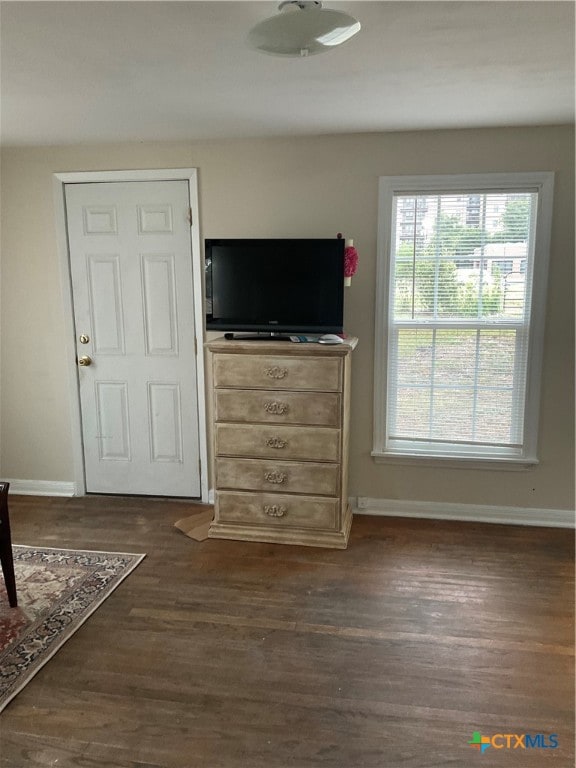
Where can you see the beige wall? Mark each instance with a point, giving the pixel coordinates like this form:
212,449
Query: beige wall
298,187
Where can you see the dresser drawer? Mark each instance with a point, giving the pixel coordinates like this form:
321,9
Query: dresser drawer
253,406
268,372
284,476
282,510
279,442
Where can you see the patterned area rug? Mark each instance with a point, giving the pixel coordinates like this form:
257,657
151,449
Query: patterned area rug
57,589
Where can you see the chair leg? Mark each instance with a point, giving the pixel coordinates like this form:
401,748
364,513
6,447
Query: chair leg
6,557
8,571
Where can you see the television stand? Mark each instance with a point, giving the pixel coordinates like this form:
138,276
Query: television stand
257,336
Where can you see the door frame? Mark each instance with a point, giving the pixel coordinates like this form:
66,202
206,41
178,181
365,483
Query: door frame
160,174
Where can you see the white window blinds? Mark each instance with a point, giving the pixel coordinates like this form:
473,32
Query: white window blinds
459,320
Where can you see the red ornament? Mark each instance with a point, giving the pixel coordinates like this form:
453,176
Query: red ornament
350,261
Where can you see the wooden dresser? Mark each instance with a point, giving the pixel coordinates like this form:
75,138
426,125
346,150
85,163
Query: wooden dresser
281,414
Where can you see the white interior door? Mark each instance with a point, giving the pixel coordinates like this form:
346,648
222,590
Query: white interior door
132,286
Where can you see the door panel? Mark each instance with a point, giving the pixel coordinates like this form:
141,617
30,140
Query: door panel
131,268
112,420
105,303
159,304
165,420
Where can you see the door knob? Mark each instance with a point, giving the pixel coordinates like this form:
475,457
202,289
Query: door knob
85,360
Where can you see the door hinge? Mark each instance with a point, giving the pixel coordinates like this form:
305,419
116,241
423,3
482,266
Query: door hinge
190,216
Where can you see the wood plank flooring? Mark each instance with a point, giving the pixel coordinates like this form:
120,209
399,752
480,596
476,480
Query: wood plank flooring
225,654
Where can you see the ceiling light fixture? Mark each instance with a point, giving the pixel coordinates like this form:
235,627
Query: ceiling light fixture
302,28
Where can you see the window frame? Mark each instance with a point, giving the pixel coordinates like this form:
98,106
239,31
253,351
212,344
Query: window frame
541,182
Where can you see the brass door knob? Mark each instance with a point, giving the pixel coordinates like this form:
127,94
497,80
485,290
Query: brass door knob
85,360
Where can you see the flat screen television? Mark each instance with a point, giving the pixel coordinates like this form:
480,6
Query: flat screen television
275,287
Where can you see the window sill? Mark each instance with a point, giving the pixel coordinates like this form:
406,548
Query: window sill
456,462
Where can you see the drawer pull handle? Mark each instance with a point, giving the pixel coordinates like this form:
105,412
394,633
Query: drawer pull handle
276,477
275,510
276,442
276,372
276,408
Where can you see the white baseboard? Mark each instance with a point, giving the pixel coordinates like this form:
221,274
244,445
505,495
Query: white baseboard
42,488
477,513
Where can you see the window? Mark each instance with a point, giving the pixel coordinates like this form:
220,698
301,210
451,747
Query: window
462,266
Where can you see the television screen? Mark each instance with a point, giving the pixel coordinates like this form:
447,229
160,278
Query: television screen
275,286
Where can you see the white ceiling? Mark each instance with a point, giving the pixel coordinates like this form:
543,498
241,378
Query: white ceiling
78,72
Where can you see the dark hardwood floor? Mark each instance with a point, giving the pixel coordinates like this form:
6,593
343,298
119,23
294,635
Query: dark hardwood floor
227,654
